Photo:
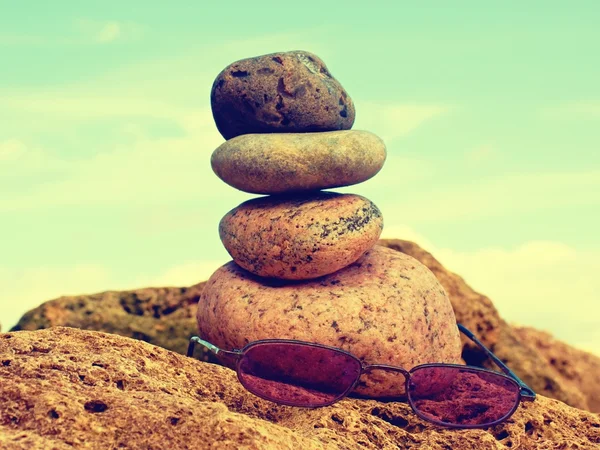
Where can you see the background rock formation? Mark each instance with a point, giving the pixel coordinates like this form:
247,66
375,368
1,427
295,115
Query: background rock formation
161,316
165,317
112,392
582,369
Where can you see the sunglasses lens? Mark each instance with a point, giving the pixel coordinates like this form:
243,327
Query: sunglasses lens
297,374
457,396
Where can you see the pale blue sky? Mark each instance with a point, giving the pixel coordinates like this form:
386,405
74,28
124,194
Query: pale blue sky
491,115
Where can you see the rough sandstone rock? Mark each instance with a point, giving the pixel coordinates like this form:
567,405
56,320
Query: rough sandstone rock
300,237
67,388
292,162
575,366
386,308
161,316
476,312
104,312
279,92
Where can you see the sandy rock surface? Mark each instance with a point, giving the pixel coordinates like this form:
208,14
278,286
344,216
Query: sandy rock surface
293,162
386,308
67,388
300,237
279,92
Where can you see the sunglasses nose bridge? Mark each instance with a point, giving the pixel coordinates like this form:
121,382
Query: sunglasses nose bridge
370,367
366,369
382,381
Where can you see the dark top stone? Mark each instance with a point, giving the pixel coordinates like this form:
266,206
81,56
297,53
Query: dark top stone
279,92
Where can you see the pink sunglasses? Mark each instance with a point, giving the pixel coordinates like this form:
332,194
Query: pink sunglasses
304,374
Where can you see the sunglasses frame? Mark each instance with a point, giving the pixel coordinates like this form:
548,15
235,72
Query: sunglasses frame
233,358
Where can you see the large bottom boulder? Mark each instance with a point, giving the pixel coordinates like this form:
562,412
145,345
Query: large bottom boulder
386,308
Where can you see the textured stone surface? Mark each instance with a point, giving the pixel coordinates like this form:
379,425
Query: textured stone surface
102,311
386,308
66,388
92,390
300,237
476,312
575,366
292,162
280,92
161,316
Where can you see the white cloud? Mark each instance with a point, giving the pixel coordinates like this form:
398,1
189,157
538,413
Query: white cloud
18,159
109,32
482,154
104,32
498,196
11,150
591,343
390,121
86,32
76,106
21,40
406,233
23,290
408,190
588,110
185,274
547,285
144,172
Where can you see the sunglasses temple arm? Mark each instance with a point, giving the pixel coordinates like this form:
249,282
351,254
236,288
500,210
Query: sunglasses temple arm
526,392
196,340
228,358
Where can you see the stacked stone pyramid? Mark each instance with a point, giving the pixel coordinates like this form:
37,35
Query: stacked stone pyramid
305,261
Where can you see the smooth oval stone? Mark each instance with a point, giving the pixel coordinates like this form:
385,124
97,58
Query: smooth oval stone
293,162
279,92
386,308
300,237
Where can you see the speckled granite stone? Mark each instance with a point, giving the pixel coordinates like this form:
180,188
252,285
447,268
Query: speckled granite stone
279,92
277,163
300,237
385,308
